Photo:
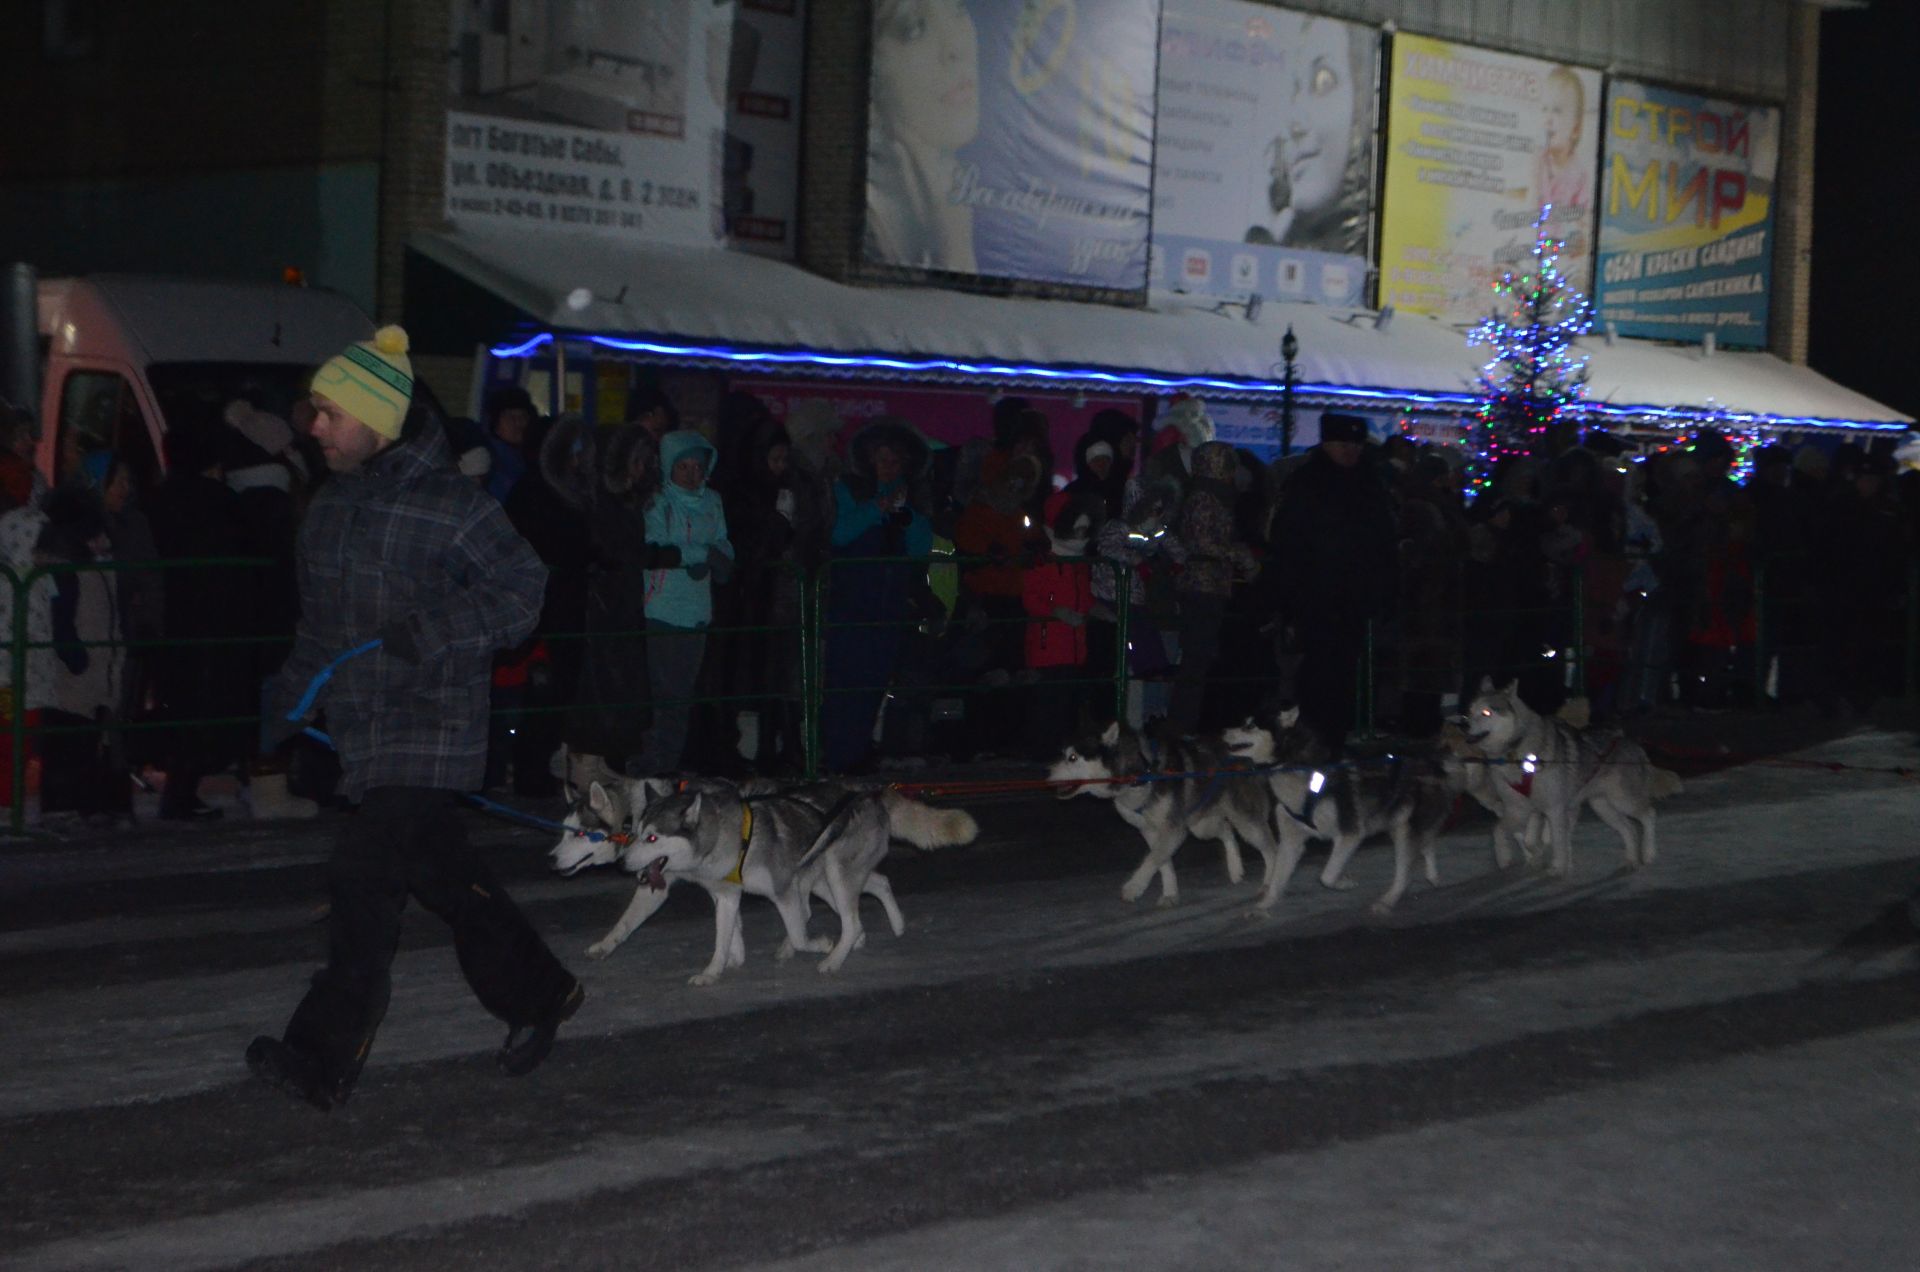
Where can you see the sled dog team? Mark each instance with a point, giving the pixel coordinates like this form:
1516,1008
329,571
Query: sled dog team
825,840
1533,772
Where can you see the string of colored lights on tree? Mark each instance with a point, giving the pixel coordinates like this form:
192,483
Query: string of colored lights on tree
1745,439
1534,376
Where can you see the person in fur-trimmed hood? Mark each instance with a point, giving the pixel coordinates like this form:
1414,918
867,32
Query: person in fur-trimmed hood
613,485
780,528
1191,427
878,512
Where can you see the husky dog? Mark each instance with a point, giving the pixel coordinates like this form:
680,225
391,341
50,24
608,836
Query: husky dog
1315,797
1550,768
784,844
1469,773
1165,812
600,813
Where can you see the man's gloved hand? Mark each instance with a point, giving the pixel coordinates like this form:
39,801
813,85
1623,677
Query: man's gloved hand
396,639
699,571
721,564
1071,617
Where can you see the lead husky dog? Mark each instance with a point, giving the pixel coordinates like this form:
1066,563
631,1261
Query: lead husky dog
1166,811
780,844
1549,767
1317,797
600,812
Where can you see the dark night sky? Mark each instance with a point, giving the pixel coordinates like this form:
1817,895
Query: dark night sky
1866,215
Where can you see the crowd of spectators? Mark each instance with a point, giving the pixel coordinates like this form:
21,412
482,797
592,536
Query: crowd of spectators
976,599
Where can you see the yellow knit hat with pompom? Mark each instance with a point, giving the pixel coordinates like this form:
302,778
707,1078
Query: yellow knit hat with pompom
371,381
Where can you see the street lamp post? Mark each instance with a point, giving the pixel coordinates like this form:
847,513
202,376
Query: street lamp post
1289,350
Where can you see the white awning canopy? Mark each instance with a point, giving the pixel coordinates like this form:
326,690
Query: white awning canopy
696,306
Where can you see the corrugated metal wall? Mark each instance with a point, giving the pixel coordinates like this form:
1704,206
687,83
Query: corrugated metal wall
1735,47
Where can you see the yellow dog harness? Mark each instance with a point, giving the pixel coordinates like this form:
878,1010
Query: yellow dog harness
746,834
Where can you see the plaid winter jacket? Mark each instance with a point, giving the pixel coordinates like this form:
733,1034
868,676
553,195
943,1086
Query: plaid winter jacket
407,539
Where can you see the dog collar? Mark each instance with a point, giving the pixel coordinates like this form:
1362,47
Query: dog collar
746,833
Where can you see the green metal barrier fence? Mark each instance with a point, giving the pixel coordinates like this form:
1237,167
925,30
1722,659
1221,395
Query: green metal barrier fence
1895,642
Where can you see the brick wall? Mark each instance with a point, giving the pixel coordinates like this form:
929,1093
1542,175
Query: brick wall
413,170
1793,209
833,137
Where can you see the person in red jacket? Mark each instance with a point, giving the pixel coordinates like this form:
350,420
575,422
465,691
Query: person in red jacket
1057,593
995,539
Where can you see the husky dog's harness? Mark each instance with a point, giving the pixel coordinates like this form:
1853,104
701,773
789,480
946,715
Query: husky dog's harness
1530,764
1316,786
746,834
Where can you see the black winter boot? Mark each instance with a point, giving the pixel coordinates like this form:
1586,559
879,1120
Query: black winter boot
293,1071
527,1045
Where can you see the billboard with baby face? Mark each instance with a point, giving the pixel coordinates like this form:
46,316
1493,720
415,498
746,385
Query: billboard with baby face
1478,143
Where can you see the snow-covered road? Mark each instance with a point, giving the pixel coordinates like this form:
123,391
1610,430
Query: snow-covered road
1647,1070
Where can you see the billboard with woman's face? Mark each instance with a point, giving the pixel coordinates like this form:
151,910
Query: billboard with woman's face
1477,144
1263,152
1686,228
1012,138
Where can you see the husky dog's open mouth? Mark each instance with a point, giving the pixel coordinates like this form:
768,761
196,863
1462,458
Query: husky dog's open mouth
655,874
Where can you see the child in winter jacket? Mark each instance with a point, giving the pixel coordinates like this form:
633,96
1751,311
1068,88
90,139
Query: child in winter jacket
1057,593
686,514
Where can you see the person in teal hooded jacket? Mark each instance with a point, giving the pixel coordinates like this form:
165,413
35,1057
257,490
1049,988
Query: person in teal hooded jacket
687,515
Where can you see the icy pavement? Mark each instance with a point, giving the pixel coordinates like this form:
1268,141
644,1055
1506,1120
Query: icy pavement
1798,1155
1670,1174
1752,822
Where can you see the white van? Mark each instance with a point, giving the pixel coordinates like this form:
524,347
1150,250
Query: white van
126,355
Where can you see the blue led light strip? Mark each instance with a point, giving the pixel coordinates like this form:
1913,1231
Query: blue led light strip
1088,375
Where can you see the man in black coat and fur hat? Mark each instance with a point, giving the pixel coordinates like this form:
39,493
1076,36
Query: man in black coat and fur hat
1334,567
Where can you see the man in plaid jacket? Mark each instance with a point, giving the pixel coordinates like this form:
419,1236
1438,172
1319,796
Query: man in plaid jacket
401,548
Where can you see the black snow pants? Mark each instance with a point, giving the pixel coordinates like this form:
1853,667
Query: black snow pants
407,840
1331,646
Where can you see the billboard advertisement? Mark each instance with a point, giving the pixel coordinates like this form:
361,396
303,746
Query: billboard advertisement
1263,152
1477,144
1012,138
762,164
578,115
1686,215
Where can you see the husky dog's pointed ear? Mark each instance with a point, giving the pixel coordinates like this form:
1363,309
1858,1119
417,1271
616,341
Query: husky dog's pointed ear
1112,735
1511,688
600,801
1289,717
693,807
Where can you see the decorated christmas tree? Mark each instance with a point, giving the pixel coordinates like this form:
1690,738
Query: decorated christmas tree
1534,375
